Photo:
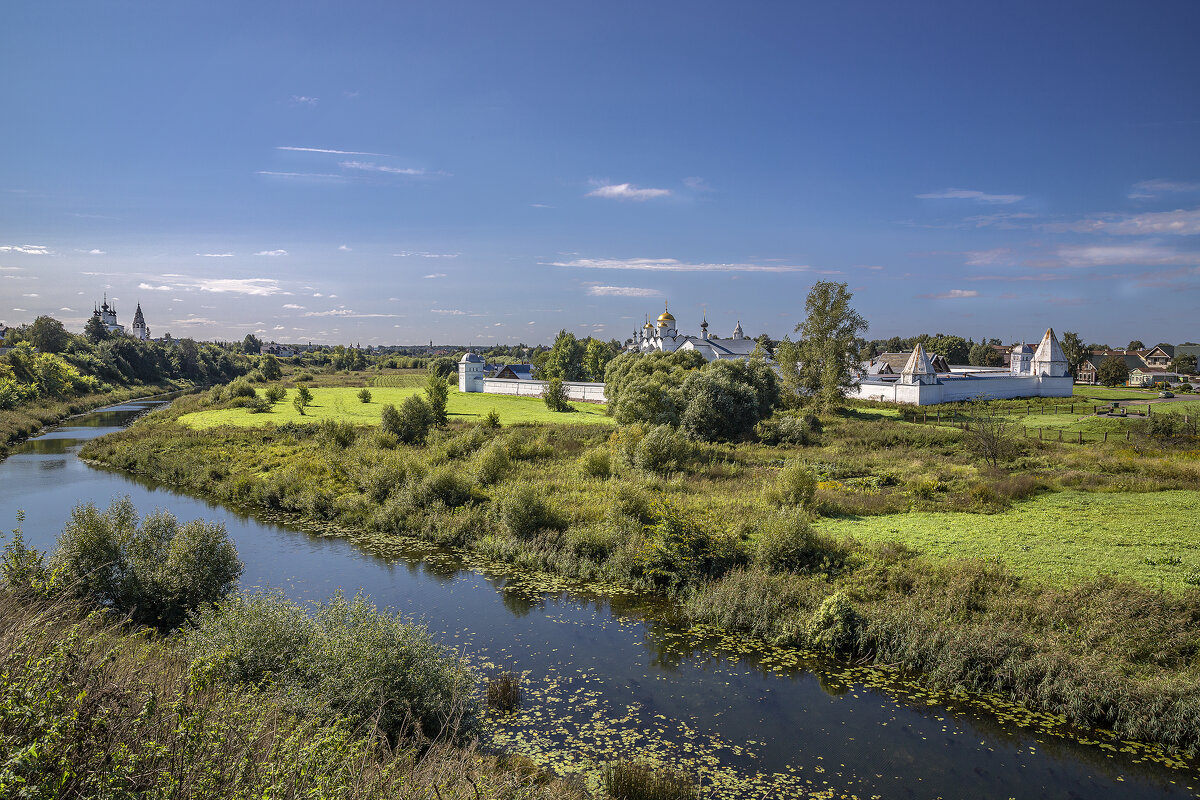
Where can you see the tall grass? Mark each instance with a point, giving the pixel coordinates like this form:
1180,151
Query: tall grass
89,710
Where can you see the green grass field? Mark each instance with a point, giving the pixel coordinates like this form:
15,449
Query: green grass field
1103,393
1058,537
342,403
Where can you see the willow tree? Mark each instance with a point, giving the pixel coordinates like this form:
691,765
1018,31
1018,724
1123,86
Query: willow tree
821,367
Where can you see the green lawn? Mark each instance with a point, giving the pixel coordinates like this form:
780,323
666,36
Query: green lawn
342,403
1102,393
1058,537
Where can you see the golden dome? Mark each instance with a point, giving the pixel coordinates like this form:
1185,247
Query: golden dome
665,316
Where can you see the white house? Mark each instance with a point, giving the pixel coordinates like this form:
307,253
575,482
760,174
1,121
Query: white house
664,338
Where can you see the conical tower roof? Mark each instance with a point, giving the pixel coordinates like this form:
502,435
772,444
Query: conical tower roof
138,319
1049,349
918,363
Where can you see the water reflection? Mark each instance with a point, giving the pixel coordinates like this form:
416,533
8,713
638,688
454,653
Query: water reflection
612,675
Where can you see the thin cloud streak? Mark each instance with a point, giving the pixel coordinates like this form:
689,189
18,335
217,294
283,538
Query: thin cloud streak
622,291
972,194
670,265
331,152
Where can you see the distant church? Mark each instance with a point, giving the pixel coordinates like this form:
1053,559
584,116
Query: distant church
107,314
664,338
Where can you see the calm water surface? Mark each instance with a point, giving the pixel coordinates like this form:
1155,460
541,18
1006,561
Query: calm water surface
607,681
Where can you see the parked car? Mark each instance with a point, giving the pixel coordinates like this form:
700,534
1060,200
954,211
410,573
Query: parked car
1166,394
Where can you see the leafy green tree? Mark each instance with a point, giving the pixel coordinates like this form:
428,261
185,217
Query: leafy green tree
48,335
443,367
1073,350
821,368
726,399
597,357
556,396
565,359
269,366
984,355
1136,344
364,395
95,331
304,394
1184,364
437,395
953,348
1113,371
251,344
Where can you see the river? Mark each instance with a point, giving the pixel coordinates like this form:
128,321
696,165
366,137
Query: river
606,680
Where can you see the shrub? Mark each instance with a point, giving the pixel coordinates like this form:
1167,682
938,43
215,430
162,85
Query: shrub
364,395
629,781
835,626
662,449
492,464
302,376
153,569
596,463
337,433
240,388
796,486
443,486
410,423
676,552
258,405
299,404
492,420
274,393
346,660
555,396
22,567
789,544
269,365
523,511
787,430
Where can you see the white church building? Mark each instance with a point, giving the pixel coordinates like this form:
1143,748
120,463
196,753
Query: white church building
1033,373
107,314
664,338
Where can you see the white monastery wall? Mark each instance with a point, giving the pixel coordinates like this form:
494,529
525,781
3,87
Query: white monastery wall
997,387
587,392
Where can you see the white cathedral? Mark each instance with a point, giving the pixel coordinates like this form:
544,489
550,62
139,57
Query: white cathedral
664,338
107,314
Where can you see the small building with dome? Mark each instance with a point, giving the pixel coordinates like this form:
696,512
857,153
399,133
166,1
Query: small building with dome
107,314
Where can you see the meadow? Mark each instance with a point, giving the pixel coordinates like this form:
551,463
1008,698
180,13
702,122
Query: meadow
341,403
1063,577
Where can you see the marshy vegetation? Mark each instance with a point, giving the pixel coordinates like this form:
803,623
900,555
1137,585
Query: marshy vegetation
744,536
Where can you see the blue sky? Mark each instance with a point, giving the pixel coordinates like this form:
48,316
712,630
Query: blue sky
491,172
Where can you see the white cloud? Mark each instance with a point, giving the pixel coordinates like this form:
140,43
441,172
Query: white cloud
64,308
1110,255
300,99
953,294
1148,189
1180,222
195,321
424,254
366,166
539,205
27,249
454,312
670,265
271,253
436,275
971,194
93,252
344,248
987,258
331,152
215,255
697,184
149,287
622,291
1004,220
627,191
31,294
292,306
10,269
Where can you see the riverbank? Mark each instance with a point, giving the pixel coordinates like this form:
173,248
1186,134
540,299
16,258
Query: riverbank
717,533
27,420
89,707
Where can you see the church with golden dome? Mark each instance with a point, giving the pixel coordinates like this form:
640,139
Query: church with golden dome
662,336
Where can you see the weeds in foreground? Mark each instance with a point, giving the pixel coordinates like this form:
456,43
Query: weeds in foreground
504,692
633,781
